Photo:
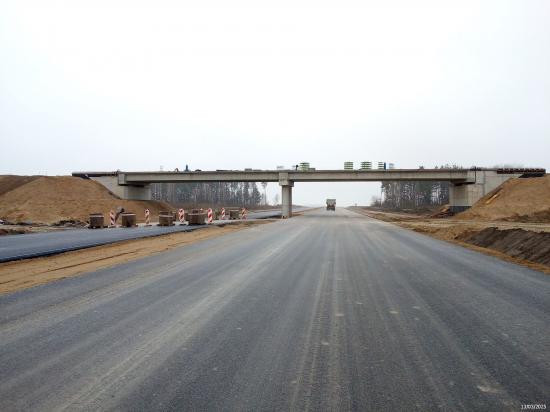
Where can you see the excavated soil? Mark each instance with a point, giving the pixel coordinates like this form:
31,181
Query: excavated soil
49,200
516,200
518,243
11,182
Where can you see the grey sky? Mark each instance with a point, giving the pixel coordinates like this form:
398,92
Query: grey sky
135,85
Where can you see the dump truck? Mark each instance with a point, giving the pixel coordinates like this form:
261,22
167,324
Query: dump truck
331,204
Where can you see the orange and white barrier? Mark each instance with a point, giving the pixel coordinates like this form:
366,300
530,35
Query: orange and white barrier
181,214
112,219
223,213
147,218
243,214
210,218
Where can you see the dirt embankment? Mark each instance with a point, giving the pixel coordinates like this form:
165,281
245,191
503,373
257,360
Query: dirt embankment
48,200
527,244
11,182
518,243
516,200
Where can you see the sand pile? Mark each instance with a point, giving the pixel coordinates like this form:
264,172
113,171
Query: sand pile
517,200
44,199
10,182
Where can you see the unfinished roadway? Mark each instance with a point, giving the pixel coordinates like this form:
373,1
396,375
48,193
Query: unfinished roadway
328,311
53,243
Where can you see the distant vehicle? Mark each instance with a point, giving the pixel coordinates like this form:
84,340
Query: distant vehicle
331,204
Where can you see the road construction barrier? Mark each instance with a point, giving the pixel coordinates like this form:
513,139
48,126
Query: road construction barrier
243,214
210,218
166,218
97,221
197,217
112,218
128,219
181,215
223,213
147,218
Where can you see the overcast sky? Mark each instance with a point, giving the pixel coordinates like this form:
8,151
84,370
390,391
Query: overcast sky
234,84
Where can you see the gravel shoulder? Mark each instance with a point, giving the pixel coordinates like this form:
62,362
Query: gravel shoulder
524,243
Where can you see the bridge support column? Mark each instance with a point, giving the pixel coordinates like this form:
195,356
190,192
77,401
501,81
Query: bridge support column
286,194
287,200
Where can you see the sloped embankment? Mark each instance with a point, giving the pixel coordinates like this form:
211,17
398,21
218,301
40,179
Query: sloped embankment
11,182
49,199
516,200
518,243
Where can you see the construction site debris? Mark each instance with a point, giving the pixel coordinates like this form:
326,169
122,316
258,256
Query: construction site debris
128,220
70,223
97,221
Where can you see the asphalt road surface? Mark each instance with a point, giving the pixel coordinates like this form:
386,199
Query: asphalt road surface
328,311
43,244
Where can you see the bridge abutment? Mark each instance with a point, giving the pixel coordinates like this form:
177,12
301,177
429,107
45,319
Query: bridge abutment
127,192
463,195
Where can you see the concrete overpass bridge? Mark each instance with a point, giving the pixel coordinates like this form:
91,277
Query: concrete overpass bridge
467,185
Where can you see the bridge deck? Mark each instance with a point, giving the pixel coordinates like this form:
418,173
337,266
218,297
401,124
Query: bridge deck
137,178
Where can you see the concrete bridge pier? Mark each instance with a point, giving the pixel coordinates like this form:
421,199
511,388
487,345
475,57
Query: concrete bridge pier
287,200
286,195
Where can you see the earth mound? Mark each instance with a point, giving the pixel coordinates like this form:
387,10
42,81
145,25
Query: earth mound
49,200
516,200
10,182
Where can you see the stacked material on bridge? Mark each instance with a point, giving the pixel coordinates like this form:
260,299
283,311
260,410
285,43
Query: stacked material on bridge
518,200
366,165
348,165
43,199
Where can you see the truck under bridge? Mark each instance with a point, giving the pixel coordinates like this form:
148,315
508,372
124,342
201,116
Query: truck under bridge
467,185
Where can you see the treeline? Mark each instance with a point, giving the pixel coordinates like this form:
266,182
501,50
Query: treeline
414,194
216,193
